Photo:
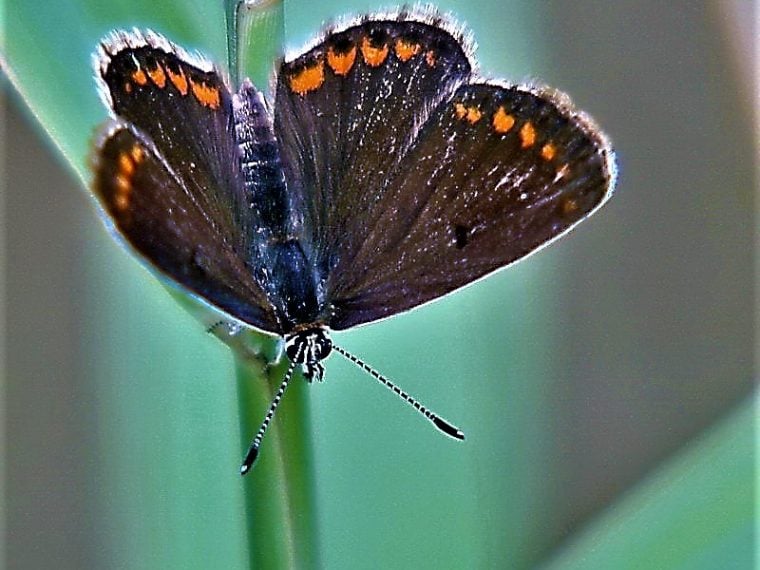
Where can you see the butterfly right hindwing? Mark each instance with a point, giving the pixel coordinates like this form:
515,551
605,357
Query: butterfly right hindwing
496,173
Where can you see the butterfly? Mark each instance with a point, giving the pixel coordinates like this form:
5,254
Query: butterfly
385,175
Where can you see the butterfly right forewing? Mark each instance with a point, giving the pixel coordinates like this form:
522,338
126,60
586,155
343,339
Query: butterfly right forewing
345,112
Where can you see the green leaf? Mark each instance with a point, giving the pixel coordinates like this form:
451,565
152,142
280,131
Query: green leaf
695,512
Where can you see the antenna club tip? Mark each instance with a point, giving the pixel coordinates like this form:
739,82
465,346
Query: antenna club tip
250,457
448,429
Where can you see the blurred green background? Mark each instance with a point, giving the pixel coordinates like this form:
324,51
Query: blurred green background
605,385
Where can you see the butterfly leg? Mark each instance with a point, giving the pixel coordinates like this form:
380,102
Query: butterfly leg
313,371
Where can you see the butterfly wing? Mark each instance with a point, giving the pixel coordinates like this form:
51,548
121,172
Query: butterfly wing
168,173
345,113
415,181
495,174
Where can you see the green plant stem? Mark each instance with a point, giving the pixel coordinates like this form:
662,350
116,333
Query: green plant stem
279,489
255,39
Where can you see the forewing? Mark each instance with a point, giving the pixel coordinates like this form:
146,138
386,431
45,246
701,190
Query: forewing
180,102
347,110
496,173
160,218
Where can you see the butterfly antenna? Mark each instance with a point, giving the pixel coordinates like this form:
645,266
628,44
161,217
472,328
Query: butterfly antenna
438,421
253,450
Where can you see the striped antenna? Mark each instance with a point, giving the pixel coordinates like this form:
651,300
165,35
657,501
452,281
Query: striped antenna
253,450
438,421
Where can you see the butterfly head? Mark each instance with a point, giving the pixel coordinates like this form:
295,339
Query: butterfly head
308,348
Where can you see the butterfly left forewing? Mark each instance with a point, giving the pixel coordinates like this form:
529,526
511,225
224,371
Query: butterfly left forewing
496,173
180,101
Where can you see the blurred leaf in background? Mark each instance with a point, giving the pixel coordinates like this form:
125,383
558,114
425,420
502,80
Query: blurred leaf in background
576,375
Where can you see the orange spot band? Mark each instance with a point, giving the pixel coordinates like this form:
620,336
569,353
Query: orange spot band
126,165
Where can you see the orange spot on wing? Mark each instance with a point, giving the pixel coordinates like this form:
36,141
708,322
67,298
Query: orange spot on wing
139,77
430,58
473,115
569,206
123,184
405,50
549,151
308,79
121,201
341,63
207,95
528,135
562,172
178,80
373,56
137,154
126,164
502,121
158,76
